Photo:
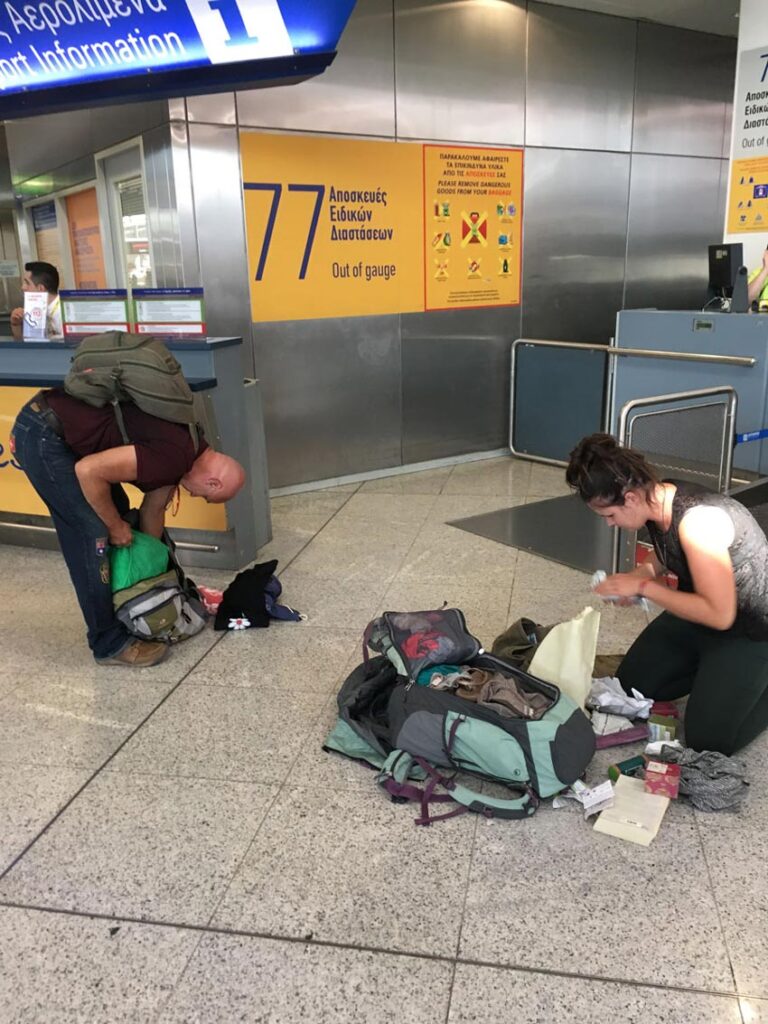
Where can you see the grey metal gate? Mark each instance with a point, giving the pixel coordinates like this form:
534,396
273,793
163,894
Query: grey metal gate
561,391
687,436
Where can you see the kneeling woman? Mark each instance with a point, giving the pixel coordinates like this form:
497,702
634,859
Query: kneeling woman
711,641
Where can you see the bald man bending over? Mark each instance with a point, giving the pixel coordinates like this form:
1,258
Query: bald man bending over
76,459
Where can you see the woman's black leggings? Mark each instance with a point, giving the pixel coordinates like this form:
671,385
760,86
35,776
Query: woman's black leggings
725,673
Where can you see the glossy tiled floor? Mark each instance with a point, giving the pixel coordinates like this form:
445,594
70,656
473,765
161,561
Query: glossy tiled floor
175,846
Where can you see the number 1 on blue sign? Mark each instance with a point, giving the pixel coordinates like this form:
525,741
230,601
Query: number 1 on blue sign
277,190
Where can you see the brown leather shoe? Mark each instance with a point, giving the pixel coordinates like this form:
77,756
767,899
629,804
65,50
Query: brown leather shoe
139,654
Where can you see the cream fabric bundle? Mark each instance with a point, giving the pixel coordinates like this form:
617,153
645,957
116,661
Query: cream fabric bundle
567,653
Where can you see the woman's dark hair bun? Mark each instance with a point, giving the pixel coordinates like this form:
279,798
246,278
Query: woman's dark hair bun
599,468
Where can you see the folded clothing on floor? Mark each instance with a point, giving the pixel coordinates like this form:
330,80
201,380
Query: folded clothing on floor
711,781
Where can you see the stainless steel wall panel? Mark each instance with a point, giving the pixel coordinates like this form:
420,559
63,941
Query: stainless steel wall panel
162,210
574,239
456,381
216,108
177,109
217,189
185,205
581,79
59,178
728,122
355,95
676,210
39,145
684,85
10,287
332,396
460,70
6,187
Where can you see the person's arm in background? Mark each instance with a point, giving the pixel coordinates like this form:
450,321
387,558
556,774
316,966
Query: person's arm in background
757,284
17,323
54,327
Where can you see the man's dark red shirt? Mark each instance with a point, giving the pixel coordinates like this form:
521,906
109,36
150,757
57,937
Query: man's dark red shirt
165,451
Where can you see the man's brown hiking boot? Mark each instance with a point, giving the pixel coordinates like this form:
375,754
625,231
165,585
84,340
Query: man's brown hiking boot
139,654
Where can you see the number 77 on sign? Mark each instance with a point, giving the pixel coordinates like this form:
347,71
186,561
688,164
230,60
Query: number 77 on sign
277,190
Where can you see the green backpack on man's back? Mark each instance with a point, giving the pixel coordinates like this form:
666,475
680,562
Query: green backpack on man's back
116,367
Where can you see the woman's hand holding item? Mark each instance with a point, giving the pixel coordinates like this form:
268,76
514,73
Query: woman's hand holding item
622,584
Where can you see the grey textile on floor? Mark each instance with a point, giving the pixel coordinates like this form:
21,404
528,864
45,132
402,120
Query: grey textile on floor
712,781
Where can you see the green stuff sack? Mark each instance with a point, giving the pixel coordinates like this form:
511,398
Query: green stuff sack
145,558
151,595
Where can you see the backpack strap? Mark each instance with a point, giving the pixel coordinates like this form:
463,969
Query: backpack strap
366,653
120,420
398,768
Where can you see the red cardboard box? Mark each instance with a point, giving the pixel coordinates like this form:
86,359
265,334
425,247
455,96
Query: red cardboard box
662,779
667,708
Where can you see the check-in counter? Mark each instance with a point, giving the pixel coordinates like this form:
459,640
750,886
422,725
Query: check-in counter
230,411
718,338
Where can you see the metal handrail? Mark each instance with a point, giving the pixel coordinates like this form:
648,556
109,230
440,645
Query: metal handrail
641,353
677,396
182,545
611,351
726,452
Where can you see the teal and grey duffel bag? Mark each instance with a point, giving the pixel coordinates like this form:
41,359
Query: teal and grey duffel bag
420,738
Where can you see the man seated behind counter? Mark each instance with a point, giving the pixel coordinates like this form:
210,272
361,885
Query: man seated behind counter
75,458
757,289
40,277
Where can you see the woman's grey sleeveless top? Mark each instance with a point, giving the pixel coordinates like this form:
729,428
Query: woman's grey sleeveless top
749,554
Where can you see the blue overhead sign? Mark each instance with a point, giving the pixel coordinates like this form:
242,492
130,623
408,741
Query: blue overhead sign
53,53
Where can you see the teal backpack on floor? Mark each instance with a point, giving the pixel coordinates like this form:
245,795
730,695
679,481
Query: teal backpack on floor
416,734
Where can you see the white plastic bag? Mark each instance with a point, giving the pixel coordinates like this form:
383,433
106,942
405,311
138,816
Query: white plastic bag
608,695
567,653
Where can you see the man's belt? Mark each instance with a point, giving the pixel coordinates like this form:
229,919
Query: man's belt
39,404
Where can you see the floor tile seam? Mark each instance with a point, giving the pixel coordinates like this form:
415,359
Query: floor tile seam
180,776
467,883
101,767
246,852
710,879
336,511
367,517
279,788
271,688
411,546
10,692
162,1004
445,482
317,533
451,984
457,961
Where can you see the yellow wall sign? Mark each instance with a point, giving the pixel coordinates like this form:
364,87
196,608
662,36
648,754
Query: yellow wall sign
348,227
19,497
748,203
472,223
334,226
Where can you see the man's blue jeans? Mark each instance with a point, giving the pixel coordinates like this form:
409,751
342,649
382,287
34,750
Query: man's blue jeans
50,466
